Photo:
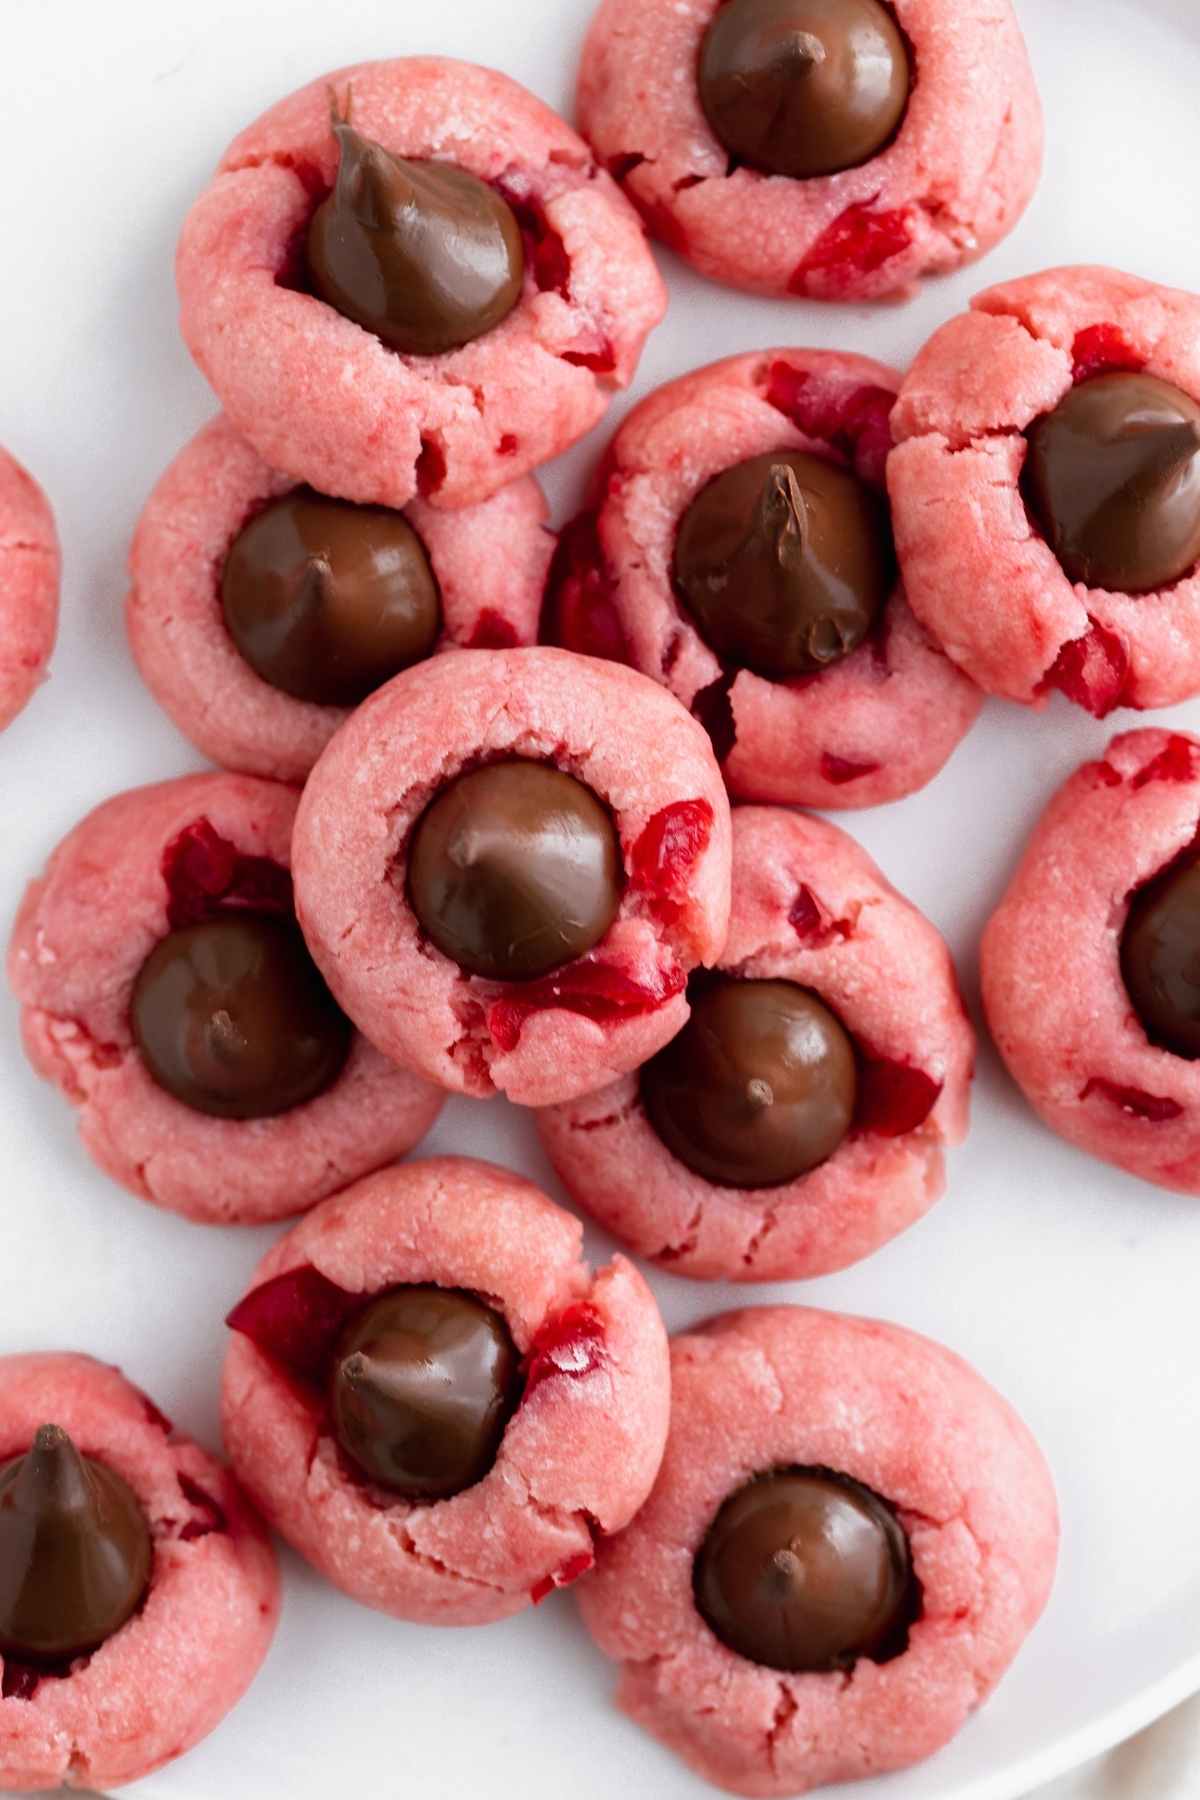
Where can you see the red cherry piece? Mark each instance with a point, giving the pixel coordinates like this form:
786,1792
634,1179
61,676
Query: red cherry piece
19,1681
855,420
1175,762
893,1098
667,852
1091,671
570,1344
811,922
492,632
857,243
601,361
545,252
592,989
1105,774
1156,1109
571,1570
840,771
1102,349
294,1319
213,1516
431,467
206,875
579,612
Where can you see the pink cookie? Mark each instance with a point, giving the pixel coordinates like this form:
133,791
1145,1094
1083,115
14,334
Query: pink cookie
155,860
783,1388
871,728
29,571
538,1041
178,633
1078,1047
325,400
979,573
808,907
578,1456
168,1676
954,179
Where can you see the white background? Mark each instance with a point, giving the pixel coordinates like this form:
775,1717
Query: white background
1070,1286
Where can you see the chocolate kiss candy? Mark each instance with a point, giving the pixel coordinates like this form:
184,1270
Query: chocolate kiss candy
75,1552
423,254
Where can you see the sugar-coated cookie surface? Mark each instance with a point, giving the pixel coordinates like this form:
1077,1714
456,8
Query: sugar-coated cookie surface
328,402
172,1672
785,1387
873,727
956,177
83,932
29,575
1077,1048
809,907
578,1456
489,562
978,572
650,766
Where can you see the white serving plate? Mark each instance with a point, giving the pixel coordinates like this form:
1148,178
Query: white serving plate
1071,1286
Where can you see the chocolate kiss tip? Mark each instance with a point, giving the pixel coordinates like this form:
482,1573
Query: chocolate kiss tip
356,1369
52,1475
782,503
317,580
804,51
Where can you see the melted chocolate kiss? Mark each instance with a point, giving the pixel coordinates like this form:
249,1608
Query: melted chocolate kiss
514,870
327,601
1160,958
784,562
804,1570
75,1552
804,87
424,1383
421,253
232,1017
758,1088
1113,479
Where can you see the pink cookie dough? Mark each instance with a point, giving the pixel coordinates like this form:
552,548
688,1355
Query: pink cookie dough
873,727
490,562
29,575
109,893
809,906
326,401
978,572
579,1456
782,1387
170,1675
1052,985
574,1030
953,182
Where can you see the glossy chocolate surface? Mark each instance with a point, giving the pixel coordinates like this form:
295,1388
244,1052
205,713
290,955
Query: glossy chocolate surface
327,601
784,562
233,1018
805,1571
423,254
1112,477
757,1089
75,1552
514,870
1160,958
423,1384
804,87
